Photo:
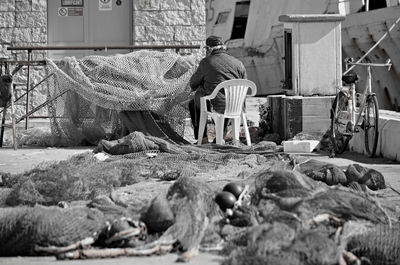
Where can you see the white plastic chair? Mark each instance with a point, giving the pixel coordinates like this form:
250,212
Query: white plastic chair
235,95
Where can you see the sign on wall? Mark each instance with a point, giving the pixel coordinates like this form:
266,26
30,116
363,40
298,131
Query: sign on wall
70,11
105,5
71,3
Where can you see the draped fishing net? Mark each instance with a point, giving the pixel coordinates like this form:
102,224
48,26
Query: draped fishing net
86,95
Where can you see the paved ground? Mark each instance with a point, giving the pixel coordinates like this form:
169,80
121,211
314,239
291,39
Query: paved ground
24,159
169,259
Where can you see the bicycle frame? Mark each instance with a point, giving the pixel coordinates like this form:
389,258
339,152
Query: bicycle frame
347,118
367,91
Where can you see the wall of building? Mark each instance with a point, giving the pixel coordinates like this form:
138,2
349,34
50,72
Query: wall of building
169,21
24,23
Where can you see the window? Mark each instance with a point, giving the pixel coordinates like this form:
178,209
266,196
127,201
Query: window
222,17
374,4
240,20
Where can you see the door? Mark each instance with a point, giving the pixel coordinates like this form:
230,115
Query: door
287,36
88,23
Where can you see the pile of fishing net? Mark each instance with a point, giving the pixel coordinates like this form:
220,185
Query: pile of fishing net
137,159
302,221
85,96
300,211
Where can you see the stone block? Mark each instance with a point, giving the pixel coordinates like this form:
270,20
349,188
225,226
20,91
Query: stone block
154,33
147,5
300,146
7,19
198,17
23,6
183,33
4,53
7,5
198,5
23,35
176,5
31,19
39,35
178,18
39,5
198,9
162,18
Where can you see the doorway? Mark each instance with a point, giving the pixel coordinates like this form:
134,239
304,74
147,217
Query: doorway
88,23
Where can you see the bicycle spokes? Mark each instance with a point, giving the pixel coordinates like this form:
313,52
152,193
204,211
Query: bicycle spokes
371,118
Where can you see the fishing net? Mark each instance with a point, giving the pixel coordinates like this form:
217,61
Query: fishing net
86,95
83,177
291,218
301,220
23,228
333,175
380,245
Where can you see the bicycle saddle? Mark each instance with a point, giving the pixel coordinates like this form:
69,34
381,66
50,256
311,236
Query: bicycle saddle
350,78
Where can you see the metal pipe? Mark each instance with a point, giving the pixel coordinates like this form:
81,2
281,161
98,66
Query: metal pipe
32,62
14,132
41,106
27,89
3,121
100,48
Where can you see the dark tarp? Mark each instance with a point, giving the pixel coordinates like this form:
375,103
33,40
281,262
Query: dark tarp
150,124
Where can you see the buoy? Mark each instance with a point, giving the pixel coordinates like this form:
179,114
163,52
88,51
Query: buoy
225,200
234,188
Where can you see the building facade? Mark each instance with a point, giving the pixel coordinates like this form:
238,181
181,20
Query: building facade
92,22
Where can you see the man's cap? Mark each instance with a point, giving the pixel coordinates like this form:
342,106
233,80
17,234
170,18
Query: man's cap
213,41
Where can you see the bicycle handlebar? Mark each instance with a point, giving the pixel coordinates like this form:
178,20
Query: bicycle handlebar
386,64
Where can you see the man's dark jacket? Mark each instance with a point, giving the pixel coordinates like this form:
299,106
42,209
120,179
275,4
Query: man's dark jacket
212,70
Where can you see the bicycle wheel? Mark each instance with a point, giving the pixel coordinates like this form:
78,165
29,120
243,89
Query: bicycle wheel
371,118
340,118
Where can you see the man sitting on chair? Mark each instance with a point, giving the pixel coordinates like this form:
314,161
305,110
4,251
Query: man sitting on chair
216,67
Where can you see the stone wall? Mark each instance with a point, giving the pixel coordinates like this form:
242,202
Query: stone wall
169,21
24,23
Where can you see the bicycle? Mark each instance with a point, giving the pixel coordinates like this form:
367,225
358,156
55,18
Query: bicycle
353,111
